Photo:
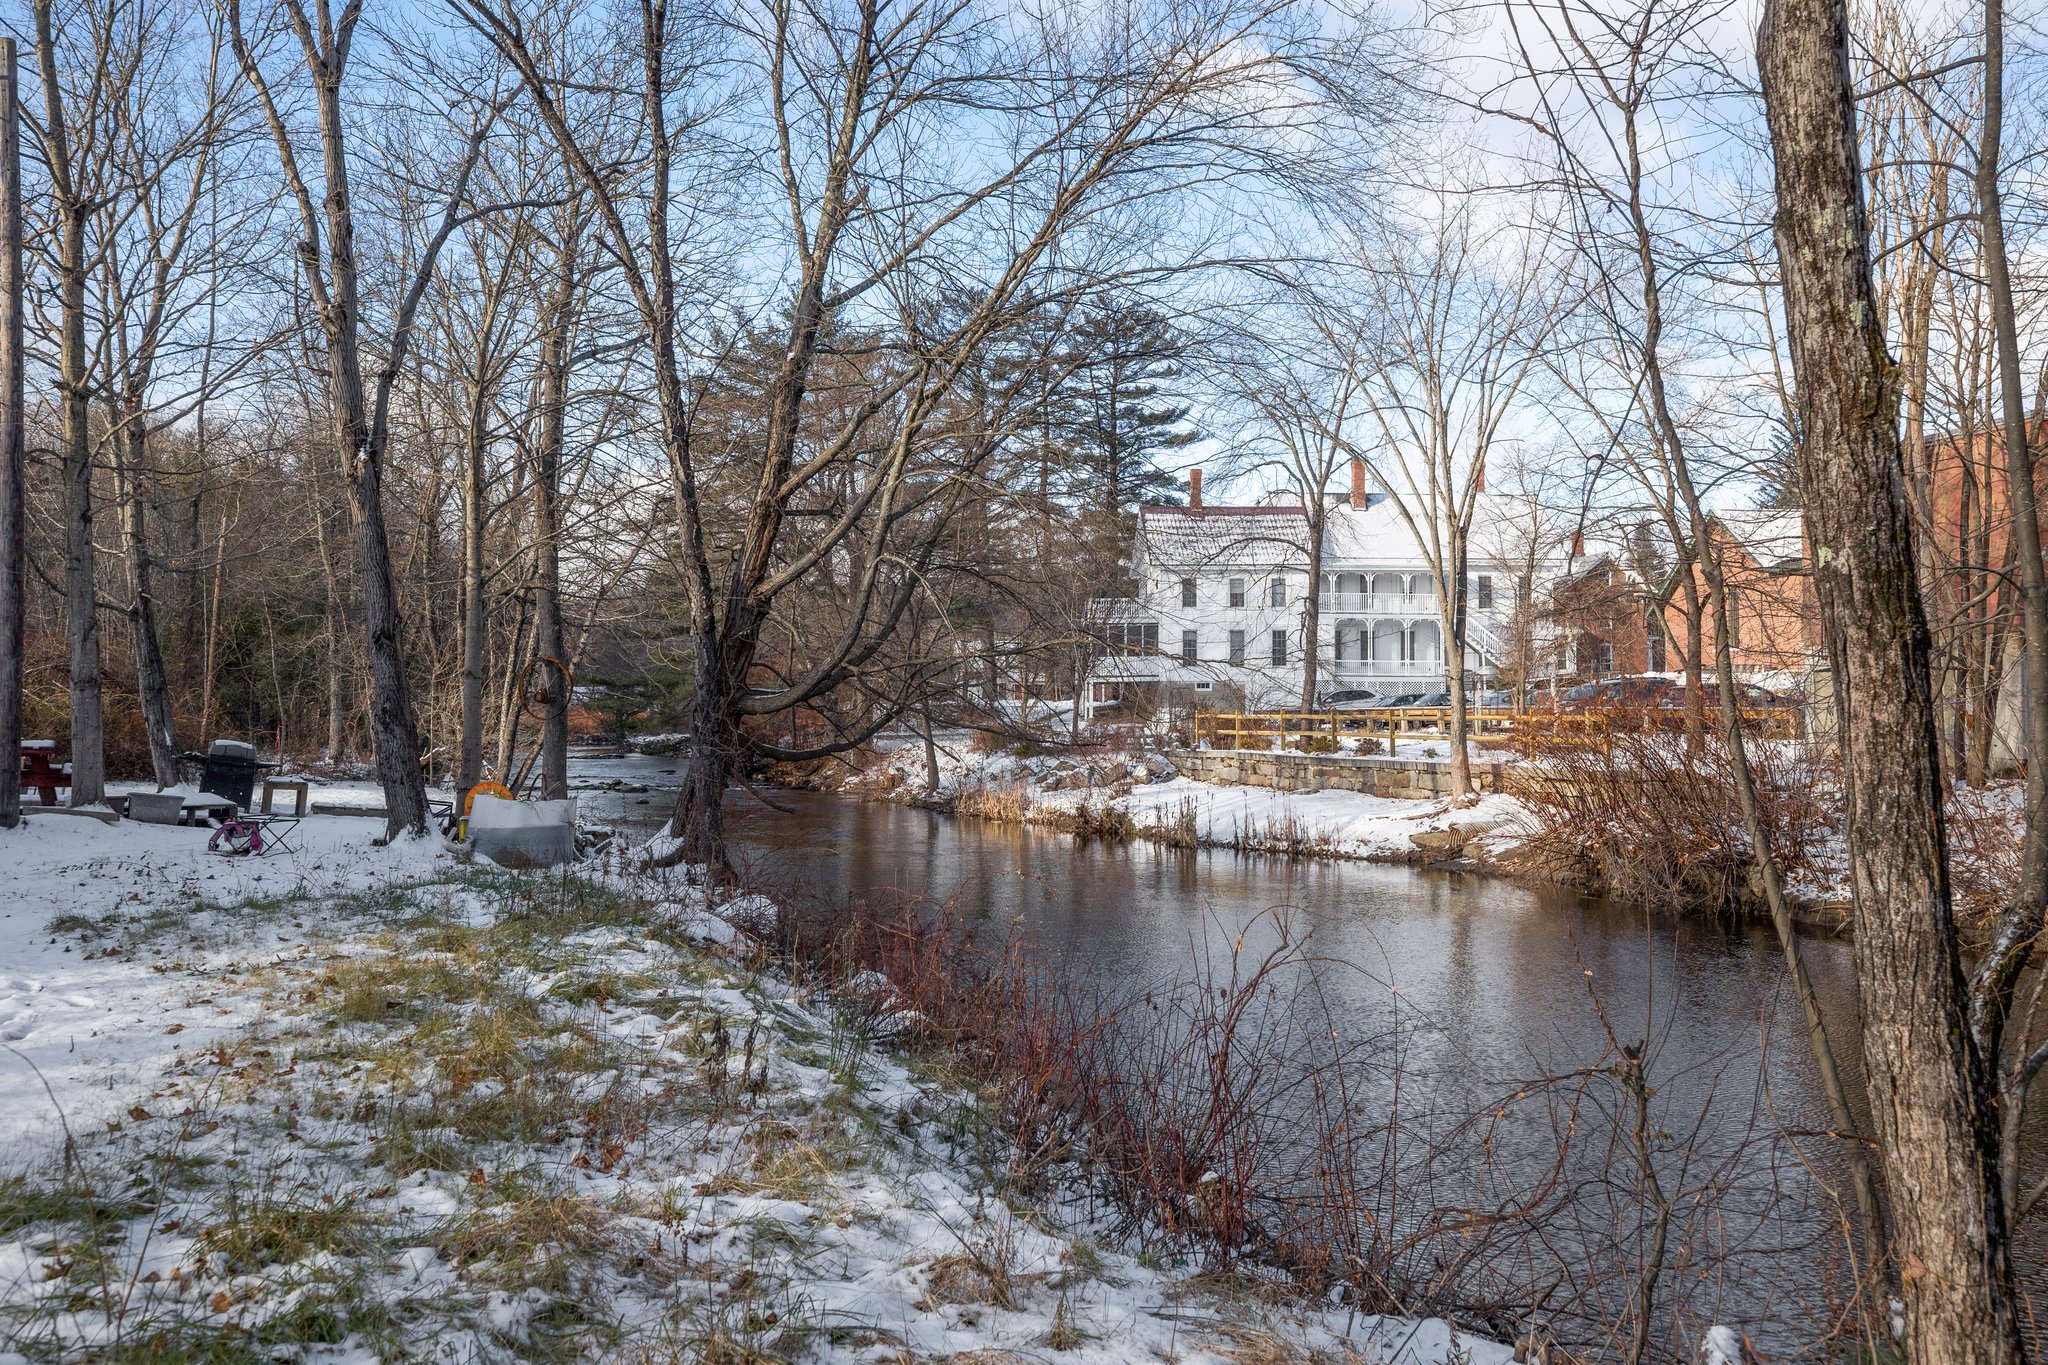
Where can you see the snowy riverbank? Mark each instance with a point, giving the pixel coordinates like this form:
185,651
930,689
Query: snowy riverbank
363,1104
1141,796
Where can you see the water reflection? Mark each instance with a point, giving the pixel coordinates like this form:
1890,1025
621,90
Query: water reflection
1489,981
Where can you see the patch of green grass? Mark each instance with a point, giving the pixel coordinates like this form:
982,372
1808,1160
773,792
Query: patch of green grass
313,1321
25,1202
519,1112
252,1234
411,1143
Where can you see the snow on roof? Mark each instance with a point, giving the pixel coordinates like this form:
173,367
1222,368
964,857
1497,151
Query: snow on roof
1772,536
1503,526
1223,537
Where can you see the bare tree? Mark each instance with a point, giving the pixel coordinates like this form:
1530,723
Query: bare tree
1929,1085
2019,928
72,133
360,414
13,483
1611,69
1457,333
1302,384
1098,118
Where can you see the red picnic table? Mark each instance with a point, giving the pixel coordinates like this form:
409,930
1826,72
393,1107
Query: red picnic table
39,772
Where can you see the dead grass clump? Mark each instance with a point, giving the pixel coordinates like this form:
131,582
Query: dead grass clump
533,1240
1009,802
1258,1346
961,1278
412,1142
253,1235
1104,820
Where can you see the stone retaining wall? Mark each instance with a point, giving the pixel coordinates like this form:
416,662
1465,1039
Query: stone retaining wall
1409,778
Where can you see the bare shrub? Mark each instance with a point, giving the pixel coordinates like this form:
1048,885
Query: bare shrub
1986,830
1644,816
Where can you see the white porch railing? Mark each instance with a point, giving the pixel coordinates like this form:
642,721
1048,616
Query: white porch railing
1387,668
1381,603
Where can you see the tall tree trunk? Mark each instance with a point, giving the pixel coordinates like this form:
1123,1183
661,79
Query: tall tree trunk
360,420
1451,611
1312,605
394,735
549,642
469,764
74,386
145,641
1929,1088
13,481
2021,924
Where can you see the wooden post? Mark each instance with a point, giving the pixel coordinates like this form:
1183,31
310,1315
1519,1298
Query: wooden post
13,483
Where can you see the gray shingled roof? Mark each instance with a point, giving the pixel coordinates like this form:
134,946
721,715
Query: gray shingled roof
1224,537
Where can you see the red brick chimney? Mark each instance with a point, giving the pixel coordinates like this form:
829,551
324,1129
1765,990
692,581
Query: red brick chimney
1578,543
1358,497
1195,488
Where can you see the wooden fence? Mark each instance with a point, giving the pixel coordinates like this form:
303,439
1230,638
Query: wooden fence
1527,731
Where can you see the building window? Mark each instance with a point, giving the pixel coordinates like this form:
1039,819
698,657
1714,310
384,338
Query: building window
1133,637
1279,647
1653,647
1276,593
1102,693
1482,592
1187,592
1237,646
1237,592
1603,658
1188,640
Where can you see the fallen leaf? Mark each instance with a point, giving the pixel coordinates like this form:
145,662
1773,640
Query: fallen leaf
222,1301
175,1028
138,1113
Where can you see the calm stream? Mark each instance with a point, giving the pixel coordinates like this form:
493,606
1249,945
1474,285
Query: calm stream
1490,978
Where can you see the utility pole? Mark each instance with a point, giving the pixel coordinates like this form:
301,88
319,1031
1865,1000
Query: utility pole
13,481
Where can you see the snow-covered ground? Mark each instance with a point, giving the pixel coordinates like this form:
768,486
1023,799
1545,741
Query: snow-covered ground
365,1104
1144,793
113,939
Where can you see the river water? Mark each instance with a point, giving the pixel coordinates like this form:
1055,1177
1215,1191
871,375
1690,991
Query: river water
1488,980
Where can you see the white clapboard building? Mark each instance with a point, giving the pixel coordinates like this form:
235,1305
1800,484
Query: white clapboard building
1220,612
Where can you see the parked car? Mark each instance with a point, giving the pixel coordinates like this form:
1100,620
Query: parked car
1753,697
1429,701
1349,699
1626,692
1396,703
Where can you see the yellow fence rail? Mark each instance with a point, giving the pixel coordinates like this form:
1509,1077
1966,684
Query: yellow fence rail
1527,731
